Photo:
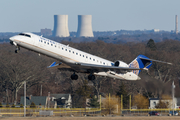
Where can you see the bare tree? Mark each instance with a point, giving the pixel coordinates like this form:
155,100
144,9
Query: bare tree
17,68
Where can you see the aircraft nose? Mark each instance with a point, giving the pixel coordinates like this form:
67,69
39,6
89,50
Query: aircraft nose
11,38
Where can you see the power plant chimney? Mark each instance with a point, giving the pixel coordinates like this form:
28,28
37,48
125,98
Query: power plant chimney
176,26
84,26
61,26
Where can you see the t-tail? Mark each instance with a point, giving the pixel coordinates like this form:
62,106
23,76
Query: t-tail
140,62
143,62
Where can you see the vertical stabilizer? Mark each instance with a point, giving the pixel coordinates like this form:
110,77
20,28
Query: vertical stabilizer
140,62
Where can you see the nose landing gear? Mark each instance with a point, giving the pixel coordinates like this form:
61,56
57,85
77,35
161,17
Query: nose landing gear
17,49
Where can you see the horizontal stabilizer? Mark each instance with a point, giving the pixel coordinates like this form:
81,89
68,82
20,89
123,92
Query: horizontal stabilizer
54,65
60,66
155,60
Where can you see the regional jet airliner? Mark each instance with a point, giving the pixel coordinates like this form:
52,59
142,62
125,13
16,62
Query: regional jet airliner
78,61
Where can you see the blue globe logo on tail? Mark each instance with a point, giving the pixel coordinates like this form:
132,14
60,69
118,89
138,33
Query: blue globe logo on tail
134,64
139,62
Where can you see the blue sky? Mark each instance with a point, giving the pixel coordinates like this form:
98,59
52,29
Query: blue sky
107,15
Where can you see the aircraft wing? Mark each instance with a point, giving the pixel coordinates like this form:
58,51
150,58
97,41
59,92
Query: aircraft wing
103,68
91,68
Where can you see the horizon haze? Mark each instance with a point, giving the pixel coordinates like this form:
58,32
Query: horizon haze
107,15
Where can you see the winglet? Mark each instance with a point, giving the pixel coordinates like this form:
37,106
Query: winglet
53,65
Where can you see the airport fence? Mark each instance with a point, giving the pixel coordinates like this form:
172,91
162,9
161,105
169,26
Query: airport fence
145,112
62,112
77,112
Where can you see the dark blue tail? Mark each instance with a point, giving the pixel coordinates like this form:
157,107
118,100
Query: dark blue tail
140,62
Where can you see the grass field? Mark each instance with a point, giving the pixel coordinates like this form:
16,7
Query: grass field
94,118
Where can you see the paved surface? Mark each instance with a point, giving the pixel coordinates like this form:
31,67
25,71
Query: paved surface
93,118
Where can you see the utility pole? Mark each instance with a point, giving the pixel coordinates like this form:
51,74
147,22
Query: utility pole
7,99
41,91
173,86
48,99
121,103
130,103
25,99
109,105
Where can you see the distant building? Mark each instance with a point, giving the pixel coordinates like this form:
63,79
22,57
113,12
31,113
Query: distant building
50,101
38,100
63,100
156,30
154,101
46,32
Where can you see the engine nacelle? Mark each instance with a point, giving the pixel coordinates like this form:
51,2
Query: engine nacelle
119,63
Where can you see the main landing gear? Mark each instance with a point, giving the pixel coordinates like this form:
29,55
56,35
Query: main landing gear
91,77
75,77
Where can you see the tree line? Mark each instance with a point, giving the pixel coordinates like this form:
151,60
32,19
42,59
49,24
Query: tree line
32,68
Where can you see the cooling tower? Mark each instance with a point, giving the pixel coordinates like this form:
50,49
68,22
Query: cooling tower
61,26
84,26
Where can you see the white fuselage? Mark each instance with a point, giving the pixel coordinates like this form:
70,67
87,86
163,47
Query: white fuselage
67,54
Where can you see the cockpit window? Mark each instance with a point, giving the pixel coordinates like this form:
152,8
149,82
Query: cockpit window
24,34
27,35
21,33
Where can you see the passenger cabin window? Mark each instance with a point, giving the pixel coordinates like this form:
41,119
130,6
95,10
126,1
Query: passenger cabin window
23,34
